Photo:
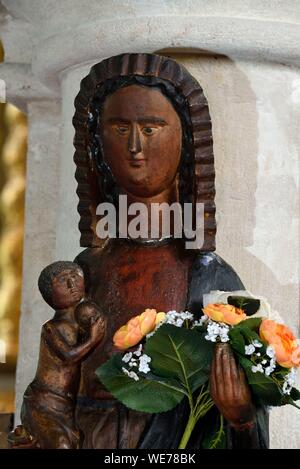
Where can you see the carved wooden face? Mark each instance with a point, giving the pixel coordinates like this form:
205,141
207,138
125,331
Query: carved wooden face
67,288
141,135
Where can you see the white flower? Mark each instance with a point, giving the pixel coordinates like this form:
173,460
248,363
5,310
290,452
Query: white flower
145,358
144,367
217,331
257,368
257,343
258,354
211,338
291,376
270,351
130,374
187,315
142,363
127,357
177,319
179,322
201,321
132,363
286,389
289,381
138,352
223,333
268,370
249,349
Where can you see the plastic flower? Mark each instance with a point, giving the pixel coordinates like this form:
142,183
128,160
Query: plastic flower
224,313
137,328
283,341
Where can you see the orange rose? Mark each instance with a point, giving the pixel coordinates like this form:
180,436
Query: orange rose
136,328
224,313
283,341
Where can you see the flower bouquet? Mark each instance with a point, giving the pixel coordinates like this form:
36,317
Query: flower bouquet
162,358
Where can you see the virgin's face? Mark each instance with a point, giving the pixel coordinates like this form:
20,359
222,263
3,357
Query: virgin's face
141,135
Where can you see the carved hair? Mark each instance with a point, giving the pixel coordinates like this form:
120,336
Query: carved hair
49,273
196,172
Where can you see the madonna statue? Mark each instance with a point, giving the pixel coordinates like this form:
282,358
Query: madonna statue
143,129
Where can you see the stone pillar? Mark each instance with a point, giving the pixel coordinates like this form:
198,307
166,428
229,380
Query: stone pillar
248,64
40,230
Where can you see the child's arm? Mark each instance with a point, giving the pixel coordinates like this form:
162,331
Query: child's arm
75,353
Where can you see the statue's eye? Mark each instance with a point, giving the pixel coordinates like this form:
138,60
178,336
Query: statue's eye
122,129
149,130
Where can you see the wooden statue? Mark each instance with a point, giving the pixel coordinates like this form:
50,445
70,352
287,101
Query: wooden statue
142,129
49,401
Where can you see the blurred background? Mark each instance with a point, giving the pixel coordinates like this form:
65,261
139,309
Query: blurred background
13,148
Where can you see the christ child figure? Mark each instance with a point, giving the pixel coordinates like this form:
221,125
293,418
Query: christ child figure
76,328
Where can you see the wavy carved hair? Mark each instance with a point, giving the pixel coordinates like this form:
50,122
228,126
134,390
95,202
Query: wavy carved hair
196,172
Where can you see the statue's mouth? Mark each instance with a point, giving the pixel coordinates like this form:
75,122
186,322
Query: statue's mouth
136,163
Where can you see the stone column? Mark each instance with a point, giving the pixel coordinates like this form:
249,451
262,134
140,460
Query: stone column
42,106
246,57
41,204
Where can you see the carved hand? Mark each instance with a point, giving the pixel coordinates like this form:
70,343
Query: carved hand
98,330
229,389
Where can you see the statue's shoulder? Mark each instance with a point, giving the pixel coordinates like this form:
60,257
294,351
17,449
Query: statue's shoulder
88,260
86,257
83,257
210,272
211,261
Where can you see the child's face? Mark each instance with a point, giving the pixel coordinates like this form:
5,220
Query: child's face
67,288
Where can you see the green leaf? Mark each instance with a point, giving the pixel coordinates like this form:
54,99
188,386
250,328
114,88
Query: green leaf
249,305
266,390
181,354
290,398
286,399
237,341
201,329
251,323
149,394
295,394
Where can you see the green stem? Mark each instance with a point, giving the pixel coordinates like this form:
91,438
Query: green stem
218,437
203,404
188,431
204,409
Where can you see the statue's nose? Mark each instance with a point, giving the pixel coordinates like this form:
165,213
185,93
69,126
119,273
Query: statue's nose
71,282
134,143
